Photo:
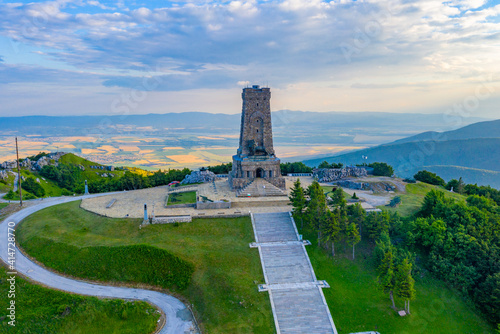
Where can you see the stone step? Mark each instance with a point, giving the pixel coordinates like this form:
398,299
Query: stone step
274,227
260,187
287,264
301,311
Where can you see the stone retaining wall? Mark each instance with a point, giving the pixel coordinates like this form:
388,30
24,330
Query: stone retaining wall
176,206
171,219
212,205
334,174
259,203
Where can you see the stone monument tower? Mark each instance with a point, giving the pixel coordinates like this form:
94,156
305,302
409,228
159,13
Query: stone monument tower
255,157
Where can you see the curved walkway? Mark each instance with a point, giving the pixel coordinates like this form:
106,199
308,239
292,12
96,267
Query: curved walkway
179,319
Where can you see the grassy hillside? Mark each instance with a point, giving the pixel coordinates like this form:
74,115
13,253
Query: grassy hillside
89,173
69,176
7,184
45,311
223,287
412,200
356,303
51,188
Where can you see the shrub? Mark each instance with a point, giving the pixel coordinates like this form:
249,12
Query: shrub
430,178
395,202
381,169
33,187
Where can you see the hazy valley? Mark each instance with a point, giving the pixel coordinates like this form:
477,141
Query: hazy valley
196,139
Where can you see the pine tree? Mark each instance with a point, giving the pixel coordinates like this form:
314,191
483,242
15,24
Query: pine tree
386,276
298,200
460,186
357,216
331,230
404,283
338,198
316,208
353,236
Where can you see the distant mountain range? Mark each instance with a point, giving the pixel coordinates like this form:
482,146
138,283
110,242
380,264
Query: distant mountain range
197,139
362,128
488,129
471,152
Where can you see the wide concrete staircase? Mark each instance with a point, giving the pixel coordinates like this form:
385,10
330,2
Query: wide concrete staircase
260,188
297,299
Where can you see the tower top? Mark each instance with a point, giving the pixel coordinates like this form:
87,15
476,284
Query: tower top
256,134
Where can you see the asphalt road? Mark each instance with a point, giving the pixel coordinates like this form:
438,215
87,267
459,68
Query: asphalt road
179,319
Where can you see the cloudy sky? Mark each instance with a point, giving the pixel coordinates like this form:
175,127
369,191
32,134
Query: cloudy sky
79,57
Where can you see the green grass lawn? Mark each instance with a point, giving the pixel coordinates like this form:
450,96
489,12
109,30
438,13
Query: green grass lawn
188,197
223,287
45,311
50,187
8,185
3,205
88,173
328,189
412,200
356,303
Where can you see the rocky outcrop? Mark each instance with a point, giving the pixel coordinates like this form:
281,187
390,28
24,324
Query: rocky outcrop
8,165
50,159
374,186
27,163
354,185
334,174
3,175
199,176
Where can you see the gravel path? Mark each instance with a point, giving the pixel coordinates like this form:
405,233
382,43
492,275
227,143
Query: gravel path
178,317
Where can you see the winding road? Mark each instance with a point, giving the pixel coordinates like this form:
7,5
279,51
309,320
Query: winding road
178,317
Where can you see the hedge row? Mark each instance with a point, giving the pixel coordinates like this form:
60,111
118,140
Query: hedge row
134,263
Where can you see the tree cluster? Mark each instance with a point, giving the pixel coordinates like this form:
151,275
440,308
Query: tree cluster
429,177
133,181
457,186
33,187
294,167
222,168
333,222
381,169
68,176
485,191
462,244
325,164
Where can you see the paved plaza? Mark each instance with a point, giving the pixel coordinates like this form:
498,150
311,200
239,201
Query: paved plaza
131,203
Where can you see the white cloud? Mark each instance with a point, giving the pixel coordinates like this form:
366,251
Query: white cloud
317,45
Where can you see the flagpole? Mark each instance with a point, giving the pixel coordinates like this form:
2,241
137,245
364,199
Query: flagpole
19,176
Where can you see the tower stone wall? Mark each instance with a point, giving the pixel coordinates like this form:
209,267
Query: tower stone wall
255,157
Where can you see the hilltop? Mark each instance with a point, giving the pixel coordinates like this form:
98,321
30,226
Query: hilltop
56,174
488,129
